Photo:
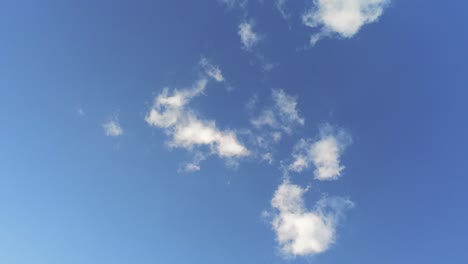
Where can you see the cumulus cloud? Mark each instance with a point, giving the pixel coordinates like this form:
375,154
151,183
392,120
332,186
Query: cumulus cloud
247,35
211,70
187,130
112,128
303,232
324,153
342,17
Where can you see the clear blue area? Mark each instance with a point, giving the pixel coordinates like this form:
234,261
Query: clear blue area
69,194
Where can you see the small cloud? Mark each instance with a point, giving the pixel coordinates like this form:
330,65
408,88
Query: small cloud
342,17
191,167
248,37
287,106
80,112
112,128
268,157
211,70
276,136
195,164
300,231
324,153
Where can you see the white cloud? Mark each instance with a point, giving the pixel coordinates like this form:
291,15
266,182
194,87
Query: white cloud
192,131
211,70
168,109
302,232
342,17
248,37
287,107
112,128
324,154
187,131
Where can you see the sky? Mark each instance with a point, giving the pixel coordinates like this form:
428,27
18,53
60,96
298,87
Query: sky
233,131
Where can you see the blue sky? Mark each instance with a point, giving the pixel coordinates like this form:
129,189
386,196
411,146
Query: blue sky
230,131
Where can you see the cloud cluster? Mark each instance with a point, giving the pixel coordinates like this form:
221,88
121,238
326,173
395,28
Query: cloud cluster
248,37
324,153
299,231
342,17
186,129
112,128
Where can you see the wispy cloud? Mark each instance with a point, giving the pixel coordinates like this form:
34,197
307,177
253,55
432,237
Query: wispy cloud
211,70
112,128
81,112
302,232
287,105
248,37
283,115
281,6
324,153
342,17
234,3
